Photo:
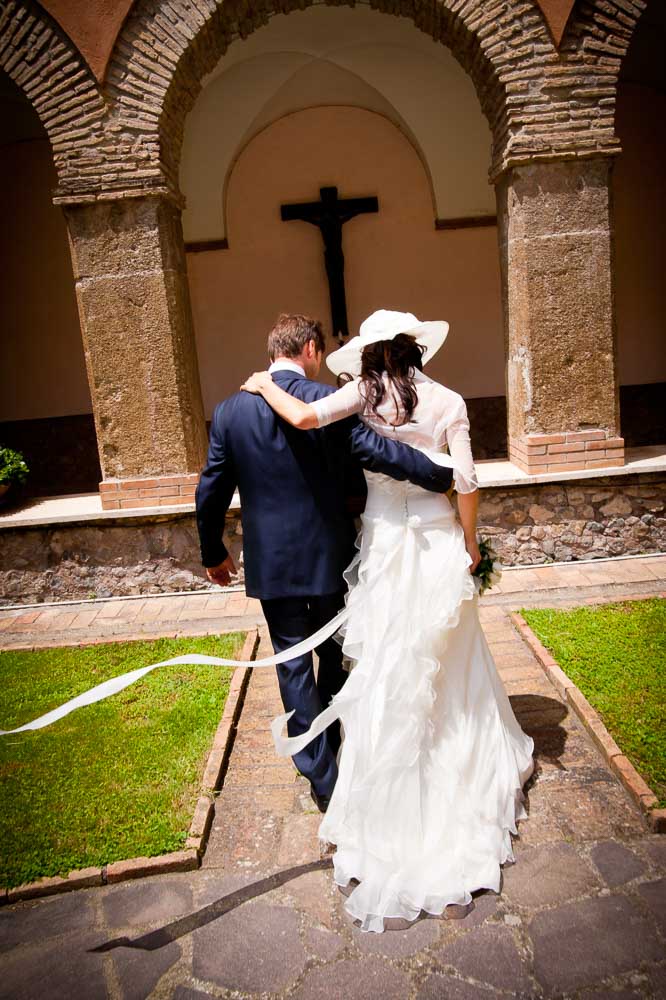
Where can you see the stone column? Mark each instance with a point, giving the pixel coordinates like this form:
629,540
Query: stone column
556,258
133,298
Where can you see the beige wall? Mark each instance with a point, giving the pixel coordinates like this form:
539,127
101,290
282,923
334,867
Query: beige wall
639,196
394,259
42,368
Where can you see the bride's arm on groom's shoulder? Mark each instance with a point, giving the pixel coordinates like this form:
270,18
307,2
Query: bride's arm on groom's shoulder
293,410
328,409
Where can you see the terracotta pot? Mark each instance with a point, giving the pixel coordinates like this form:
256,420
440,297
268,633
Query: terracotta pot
4,489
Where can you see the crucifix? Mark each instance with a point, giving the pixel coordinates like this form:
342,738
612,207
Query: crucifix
330,215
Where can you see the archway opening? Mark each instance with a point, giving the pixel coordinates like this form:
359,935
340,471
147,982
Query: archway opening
365,102
639,201
45,406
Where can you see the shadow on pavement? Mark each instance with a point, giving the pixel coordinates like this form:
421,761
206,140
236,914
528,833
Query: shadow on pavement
539,716
185,925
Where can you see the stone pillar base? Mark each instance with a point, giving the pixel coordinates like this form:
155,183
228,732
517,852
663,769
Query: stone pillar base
566,452
149,491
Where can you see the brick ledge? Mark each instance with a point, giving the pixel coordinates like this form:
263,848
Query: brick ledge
148,491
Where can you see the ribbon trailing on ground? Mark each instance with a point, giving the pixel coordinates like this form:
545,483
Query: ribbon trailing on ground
116,684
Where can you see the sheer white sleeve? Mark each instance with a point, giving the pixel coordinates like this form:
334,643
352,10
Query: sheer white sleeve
460,449
339,404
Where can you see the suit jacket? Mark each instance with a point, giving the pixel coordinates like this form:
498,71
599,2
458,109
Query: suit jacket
298,536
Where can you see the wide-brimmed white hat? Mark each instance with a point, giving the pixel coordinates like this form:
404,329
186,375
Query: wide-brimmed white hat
385,325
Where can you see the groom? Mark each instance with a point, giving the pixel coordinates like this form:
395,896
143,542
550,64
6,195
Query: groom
297,489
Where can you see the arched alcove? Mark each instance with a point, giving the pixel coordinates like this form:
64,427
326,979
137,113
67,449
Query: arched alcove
325,56
639,199
394,259
45,406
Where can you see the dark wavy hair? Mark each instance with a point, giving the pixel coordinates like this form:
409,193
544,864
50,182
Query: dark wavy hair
396,358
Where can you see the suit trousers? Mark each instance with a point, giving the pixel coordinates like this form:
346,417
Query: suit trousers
290,620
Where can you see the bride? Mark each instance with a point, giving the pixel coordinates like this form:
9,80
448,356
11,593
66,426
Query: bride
433,761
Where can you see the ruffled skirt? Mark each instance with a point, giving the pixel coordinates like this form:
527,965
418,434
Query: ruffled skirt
433,761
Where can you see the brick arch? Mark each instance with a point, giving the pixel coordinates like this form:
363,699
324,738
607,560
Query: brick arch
42,61
167,47
593,46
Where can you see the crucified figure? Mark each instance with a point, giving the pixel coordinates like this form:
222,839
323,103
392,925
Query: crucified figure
330,215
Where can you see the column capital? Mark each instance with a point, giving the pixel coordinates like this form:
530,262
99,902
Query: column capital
65,200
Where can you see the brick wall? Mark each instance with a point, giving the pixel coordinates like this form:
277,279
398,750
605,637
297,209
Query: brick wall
567,452
51,72
541,102
155,491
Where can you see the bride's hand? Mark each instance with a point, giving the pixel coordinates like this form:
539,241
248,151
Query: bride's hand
473,550
257,382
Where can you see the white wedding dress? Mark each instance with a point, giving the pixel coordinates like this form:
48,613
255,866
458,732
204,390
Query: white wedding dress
433,760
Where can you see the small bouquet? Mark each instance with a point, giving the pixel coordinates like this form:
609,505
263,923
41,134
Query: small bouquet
489,570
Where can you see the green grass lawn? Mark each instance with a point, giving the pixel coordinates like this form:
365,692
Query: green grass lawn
616,655
113,780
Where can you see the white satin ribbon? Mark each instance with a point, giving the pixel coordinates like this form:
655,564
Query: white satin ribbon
284,745
116,684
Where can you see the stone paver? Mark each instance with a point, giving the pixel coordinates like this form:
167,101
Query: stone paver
355,979
65,962
581,943
439,987
549,874
259,949
617,863
489,955
140,903
581,912
137,973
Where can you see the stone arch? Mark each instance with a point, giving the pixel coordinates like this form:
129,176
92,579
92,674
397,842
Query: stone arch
167,47
50,71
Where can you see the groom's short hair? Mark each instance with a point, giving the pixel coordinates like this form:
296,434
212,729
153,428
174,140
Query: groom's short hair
291,333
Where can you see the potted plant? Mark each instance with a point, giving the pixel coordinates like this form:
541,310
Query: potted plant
13,470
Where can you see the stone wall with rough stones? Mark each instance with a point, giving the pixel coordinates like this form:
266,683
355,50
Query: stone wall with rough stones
559,522
577,519
158,555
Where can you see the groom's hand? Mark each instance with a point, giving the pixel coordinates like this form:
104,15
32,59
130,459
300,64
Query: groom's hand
221,575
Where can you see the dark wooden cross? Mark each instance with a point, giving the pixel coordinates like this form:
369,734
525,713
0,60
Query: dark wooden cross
330,215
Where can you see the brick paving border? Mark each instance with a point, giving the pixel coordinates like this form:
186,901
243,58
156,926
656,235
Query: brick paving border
197,837
639,790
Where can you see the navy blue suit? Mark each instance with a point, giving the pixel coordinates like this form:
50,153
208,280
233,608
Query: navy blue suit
298,534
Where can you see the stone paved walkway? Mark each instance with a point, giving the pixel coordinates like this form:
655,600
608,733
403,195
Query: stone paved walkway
581,914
